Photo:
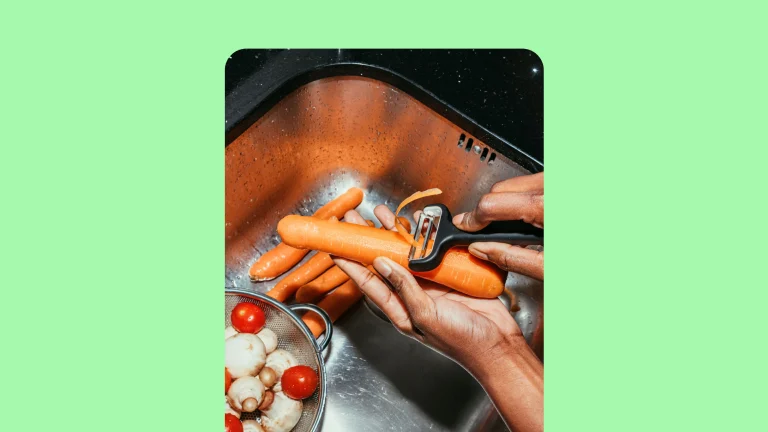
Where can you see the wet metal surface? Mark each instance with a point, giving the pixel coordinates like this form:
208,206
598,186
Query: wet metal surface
325,137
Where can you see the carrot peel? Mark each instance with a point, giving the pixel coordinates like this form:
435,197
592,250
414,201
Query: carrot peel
406,233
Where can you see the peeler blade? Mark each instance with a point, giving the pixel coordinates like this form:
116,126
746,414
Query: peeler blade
428,224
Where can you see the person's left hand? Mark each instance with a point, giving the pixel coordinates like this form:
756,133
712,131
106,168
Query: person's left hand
469,330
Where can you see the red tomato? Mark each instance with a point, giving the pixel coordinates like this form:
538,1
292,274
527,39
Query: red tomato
299,382
247,318
232,424
227,380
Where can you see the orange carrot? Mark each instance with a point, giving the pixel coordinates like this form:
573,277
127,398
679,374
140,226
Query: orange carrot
459,270
334,304
316,289
283,257
370,223
302,275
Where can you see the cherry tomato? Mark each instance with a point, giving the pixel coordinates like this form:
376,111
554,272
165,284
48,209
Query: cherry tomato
227,380
299,382
247,318
232,424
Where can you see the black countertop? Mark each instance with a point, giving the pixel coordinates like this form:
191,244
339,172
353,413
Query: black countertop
501,90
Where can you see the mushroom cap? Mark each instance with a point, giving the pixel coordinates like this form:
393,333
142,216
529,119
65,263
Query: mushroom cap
245,388
269,338
280,360
252,426
282,415
244,355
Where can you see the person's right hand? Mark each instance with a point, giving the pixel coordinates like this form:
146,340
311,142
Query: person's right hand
474,332
519,198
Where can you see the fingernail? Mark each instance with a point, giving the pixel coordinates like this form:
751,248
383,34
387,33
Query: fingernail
382,266
476,250
457,219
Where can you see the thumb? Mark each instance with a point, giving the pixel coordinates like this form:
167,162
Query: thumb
469,221
515,259
420,306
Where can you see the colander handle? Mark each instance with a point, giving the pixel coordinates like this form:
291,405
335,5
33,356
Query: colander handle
322,344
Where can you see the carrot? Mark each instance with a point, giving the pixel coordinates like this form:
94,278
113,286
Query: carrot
308,271
283,257
314,290
459,270
326,282
334,304
370,223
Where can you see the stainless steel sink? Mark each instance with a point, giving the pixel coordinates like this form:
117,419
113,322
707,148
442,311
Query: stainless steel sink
318,141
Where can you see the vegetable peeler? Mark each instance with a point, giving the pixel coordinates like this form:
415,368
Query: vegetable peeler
438,220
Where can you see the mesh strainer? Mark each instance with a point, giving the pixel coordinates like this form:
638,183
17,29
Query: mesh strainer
294,337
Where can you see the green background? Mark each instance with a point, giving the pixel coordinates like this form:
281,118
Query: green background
111,169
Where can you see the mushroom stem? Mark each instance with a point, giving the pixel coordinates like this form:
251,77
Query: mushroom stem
250,405
246,393
268,376
267,402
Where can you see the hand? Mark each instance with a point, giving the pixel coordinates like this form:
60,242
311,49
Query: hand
519,198
479,334
471,331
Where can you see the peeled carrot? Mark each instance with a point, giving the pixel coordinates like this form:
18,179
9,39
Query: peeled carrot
302,275
459,270
334,304
283,257
316,289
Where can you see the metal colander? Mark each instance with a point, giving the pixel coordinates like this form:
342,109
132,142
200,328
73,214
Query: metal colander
294,337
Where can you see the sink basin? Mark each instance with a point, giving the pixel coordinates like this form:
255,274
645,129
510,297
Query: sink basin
316,142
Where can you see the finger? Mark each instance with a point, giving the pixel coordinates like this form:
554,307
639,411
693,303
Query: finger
378,292
503,206
385,216
352,216
420,306
515,259
372,286
527,183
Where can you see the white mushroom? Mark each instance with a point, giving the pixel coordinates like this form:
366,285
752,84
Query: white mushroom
246,393
244,355
282,415
252,426
228,408
229,332
279,361
269,338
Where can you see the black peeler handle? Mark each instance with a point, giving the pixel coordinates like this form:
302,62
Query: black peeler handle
448,236
510,232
